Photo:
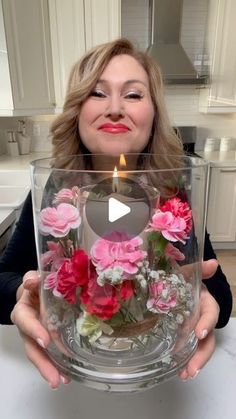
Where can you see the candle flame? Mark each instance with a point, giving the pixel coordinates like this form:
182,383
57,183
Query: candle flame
122,160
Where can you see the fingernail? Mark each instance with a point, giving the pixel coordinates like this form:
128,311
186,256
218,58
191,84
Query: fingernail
52,386
195,375
64,380
40,343
204,333
184,375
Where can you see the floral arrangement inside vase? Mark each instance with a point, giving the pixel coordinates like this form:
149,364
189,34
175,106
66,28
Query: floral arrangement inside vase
120,288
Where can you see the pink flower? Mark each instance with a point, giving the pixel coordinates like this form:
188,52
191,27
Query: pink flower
172,228
125,254
162,298
58,221
66,195
173,253
53,257
179,209
50,281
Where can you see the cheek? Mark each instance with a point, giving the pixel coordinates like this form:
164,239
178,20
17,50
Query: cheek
144,119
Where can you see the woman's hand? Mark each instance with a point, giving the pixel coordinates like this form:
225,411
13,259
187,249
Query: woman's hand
204,330
26,317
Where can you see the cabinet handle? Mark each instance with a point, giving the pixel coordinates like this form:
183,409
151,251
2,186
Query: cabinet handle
231,169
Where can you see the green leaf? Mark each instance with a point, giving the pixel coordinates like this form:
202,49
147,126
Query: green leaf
116,320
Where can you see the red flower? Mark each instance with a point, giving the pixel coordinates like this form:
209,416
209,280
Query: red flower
179,209
126,290
102,300
80,266
72,274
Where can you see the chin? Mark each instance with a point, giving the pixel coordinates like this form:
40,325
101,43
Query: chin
113,150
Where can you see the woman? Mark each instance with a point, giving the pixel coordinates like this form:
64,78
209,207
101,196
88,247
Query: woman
114,104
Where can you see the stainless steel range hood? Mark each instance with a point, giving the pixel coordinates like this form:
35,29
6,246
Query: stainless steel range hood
165,46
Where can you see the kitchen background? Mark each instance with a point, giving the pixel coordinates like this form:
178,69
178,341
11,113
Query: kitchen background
187,104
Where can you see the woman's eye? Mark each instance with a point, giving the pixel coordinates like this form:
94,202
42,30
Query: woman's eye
133,95
97,93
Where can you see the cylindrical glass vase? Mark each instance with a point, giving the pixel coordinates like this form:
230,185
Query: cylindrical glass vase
119,246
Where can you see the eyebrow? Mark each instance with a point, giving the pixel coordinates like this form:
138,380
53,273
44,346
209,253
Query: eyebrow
126,82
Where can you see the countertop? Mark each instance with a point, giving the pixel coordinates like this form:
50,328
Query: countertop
20,162
211,395
7,217
219,158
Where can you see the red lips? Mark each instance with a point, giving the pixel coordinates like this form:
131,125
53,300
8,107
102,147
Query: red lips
114,128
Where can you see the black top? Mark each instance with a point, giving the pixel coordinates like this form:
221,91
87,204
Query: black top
20,257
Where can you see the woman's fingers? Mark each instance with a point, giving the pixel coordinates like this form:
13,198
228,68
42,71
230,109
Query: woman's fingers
202,355
208,268
209,313
25,317
36,338
41,361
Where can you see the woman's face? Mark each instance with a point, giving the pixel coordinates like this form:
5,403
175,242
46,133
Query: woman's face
118,115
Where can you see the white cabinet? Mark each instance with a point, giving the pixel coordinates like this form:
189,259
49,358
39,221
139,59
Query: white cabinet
76,26
6,101
221,217
44,39
29,53
67,28
221,96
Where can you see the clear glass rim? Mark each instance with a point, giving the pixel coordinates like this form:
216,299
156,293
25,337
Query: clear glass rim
198,161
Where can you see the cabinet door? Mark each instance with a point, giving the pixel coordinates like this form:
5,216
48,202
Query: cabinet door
68,41
6,101
221,217
29,51
102,21
221,97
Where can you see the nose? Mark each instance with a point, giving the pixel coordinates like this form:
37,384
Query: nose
115,109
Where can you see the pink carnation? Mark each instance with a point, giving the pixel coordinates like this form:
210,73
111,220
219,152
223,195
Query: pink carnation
59,221
179,209
162,298
172,228
54,256
66,195
125,254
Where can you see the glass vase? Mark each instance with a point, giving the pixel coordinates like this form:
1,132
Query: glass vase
119,244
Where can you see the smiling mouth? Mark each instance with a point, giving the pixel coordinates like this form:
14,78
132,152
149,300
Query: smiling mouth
114,128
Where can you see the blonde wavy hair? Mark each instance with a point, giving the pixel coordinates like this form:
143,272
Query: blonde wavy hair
83,78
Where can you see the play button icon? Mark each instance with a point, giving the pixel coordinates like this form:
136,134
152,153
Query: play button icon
116,210
126,210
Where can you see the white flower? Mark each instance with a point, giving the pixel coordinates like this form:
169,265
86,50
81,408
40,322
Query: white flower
111,275
139,277
165,293
91,326
179,318
154,274
143,284
175,279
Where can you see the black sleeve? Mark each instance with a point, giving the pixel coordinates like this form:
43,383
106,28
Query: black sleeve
18,258
218,286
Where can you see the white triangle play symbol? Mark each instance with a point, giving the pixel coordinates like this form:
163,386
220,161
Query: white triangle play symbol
116,209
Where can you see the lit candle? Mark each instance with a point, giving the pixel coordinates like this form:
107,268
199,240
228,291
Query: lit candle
115,180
